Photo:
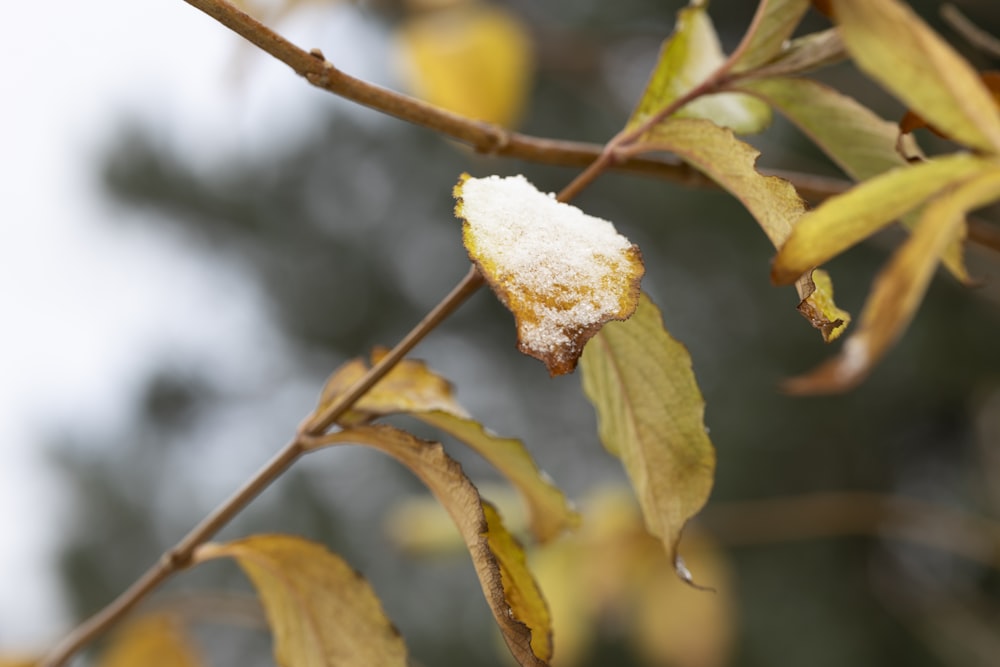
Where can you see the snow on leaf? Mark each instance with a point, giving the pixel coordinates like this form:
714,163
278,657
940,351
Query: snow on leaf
650,415
322,613
773,202
900,286
690,56
510,590
561,272
894,46
413,389
154,640
846,219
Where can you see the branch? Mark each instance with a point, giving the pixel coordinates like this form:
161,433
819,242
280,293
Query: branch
825,515
179,557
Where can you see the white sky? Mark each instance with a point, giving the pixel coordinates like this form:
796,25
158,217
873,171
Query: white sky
90,300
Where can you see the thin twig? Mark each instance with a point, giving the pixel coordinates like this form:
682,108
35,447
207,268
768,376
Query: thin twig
495,140
969,31
179,557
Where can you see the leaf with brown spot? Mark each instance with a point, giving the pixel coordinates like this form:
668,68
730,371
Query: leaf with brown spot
561,272
844,220
900,286
650,415
861,143
772,201
510,590
322,613
154,640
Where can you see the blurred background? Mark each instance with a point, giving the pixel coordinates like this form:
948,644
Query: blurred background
194,238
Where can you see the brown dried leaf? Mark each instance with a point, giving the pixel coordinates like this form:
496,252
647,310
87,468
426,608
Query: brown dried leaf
562,273
510,589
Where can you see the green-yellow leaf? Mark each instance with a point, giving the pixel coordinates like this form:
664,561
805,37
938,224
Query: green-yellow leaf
858,141
894,46
322,613
650,415
508,585
901,285
846,219
413,389
772,201
772,27
690,56
155,640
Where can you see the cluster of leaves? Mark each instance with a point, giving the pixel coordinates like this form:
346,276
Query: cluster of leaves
572,284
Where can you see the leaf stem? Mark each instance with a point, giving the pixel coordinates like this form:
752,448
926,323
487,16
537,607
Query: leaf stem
179,557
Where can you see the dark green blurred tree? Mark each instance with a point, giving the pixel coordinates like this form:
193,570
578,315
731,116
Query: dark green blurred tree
350,235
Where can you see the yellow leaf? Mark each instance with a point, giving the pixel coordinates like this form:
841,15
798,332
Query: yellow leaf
772,26
773,202
473,59
612,569
17,662
412,388
861,143
690,56
322,612
846,219
650,415
550,513
508,585
900,287
561,272
894,46
156,640
409,387
677,625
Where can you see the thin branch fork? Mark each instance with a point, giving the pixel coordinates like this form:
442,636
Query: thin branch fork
494,140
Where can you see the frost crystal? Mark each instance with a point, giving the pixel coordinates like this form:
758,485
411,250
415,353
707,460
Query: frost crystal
562,272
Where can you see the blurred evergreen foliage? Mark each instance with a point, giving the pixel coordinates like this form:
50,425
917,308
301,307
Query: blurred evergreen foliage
351,237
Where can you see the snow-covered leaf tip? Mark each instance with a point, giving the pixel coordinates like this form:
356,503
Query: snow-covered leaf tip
562,273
